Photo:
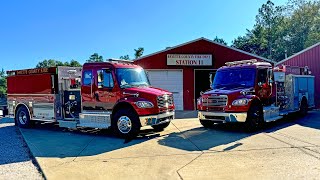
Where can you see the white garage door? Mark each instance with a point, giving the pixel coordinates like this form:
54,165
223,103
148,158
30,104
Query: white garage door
170,80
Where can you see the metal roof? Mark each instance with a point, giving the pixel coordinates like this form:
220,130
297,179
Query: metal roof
294,55
211,41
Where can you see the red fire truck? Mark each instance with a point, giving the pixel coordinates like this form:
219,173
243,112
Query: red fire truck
254,92
114,94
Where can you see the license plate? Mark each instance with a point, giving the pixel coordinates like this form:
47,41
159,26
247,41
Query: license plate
152,121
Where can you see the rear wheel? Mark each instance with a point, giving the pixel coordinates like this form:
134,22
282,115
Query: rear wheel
22,117
160,127
303,107
125,123
255,119
206,123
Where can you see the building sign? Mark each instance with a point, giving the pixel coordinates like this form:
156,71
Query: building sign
189,59
33,71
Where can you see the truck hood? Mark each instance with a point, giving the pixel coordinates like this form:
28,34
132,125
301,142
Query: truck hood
226,92
147,90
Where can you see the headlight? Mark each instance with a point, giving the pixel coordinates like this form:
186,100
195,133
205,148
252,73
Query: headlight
199,100
240,102
144,104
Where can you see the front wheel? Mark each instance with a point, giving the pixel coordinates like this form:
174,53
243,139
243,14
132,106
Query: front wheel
206,123
125,123
255,119
160,127
22,117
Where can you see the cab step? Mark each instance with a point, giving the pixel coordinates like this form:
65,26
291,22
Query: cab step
95,119
273,118
68,124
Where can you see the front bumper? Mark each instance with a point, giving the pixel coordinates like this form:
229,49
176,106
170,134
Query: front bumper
222,117
156,119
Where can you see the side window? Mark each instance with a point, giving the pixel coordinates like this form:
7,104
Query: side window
262,75
105,79
87,77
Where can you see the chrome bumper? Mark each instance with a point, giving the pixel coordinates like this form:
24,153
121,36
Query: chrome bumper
156,119
222,117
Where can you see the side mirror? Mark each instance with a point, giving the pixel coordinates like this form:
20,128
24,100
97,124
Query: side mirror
210,78
270,76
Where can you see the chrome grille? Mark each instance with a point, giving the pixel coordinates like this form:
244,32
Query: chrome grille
165,101
221,100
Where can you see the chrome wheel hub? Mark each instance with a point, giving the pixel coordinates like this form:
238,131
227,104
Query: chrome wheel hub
22,117
124,124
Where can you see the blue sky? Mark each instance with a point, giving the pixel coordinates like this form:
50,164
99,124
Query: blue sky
33,30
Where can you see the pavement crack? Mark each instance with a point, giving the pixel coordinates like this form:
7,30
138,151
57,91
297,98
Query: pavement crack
291,137
305,152
187,165
84,148
279,140
186,137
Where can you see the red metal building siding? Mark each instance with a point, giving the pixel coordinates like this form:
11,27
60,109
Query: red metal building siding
220,55
310,58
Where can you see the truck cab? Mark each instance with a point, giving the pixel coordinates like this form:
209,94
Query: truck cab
115,94
123,89
247,92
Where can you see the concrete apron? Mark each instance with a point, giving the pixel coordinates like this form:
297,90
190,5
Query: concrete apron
185,150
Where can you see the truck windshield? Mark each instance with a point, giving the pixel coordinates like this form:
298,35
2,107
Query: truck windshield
129,77
234,78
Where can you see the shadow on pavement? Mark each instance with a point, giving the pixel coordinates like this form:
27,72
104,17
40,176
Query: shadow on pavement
47,140
222,134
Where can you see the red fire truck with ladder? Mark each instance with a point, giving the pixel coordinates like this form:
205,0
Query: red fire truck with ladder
254,93
115,94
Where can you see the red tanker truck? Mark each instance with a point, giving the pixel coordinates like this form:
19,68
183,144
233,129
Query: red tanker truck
253,93
115,94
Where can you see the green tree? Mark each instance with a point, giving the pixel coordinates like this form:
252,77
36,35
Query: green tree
3,83
54,63
95,57
138,52
304,24
75,63
220,40
125,57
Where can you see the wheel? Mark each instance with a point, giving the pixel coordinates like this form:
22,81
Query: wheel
160,127
303,108
22,117
125,123
254,119
206,123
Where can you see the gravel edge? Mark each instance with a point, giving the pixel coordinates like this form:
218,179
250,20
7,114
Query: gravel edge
32,157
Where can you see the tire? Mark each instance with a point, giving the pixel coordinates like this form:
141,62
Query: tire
125,123
160,127
22,117
303,108
206,123
254,119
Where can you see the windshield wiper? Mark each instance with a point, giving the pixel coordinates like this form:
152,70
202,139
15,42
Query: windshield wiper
126,85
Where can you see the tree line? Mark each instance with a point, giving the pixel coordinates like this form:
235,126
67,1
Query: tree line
95,57
281,31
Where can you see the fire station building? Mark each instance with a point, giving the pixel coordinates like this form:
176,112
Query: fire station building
308,57
184,69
